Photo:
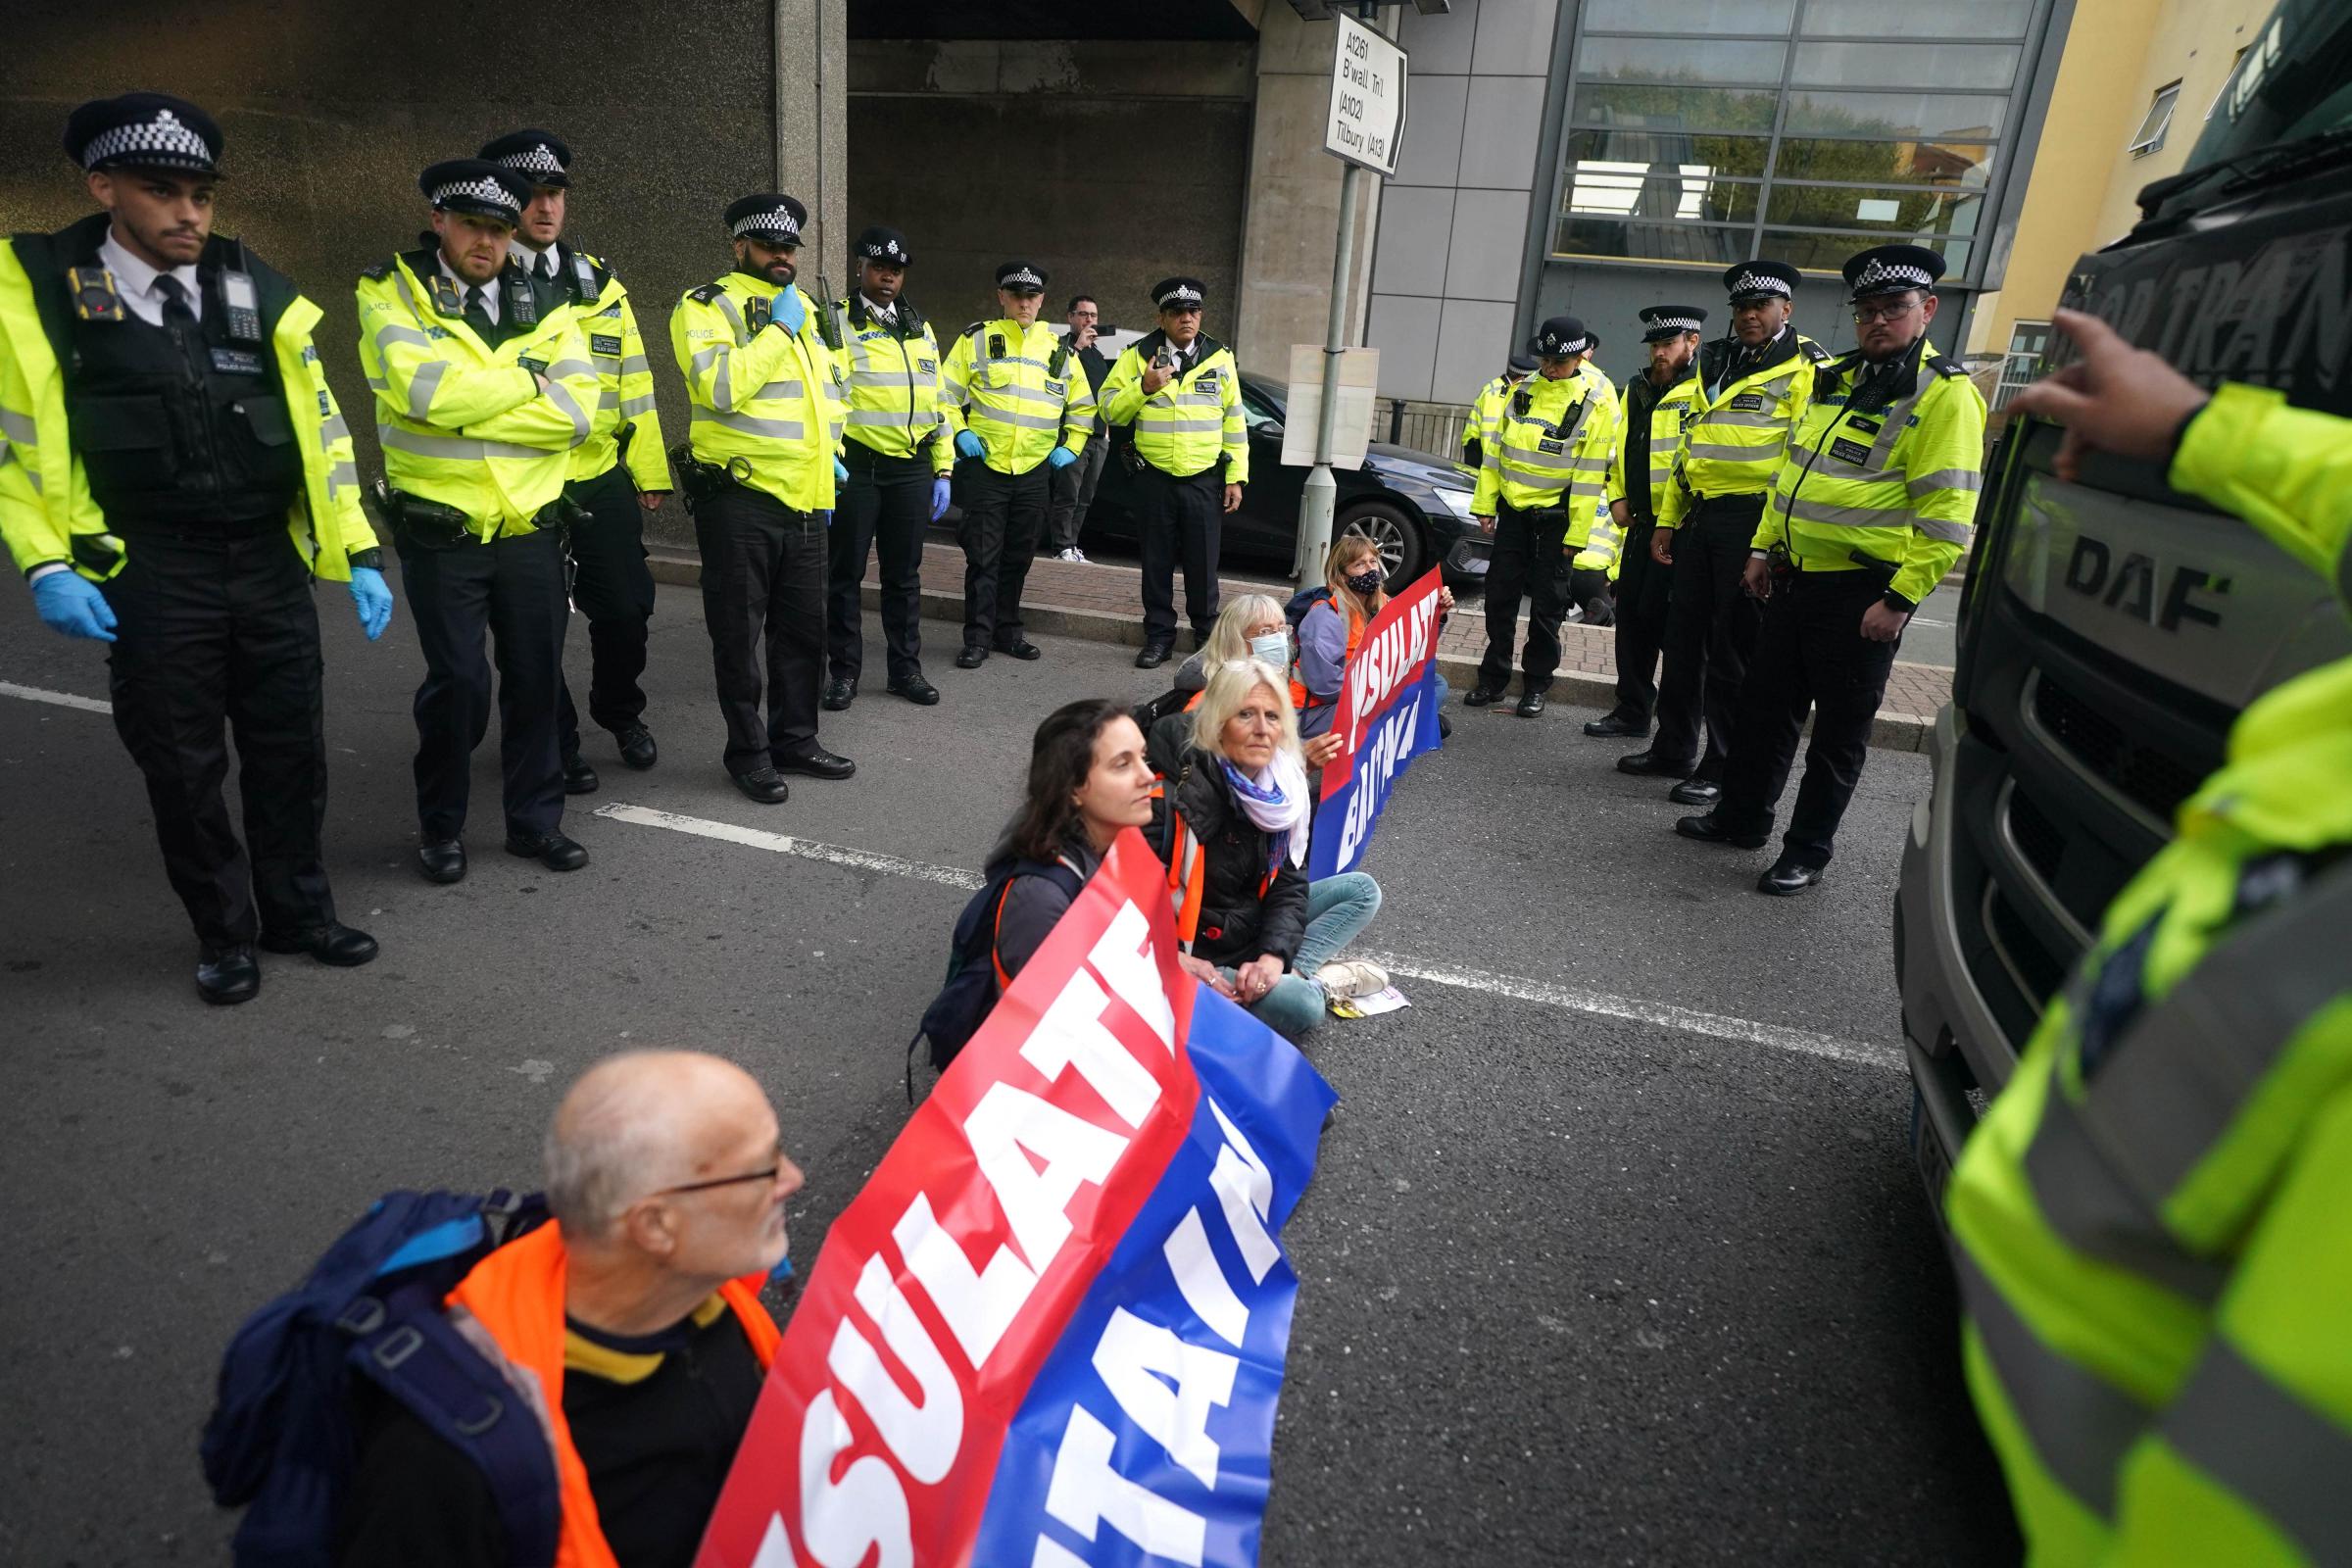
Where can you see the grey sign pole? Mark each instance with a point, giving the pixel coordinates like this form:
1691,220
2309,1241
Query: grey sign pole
1321,493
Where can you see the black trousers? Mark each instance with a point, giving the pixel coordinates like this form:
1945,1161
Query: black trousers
610,585
511,590
1179,518
1525,562
209,630
763,599
1003,516
1643,590
1812,656
1075,493
886,505
1710,631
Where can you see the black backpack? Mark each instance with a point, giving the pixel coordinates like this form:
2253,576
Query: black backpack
969,992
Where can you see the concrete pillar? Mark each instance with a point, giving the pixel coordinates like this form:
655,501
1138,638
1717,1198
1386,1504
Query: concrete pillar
813,129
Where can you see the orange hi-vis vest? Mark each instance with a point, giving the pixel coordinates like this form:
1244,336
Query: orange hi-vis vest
1300,697
516,1295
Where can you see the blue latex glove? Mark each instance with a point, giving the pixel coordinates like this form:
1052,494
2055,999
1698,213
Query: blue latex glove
968,445
788,308
841,471
70,603
373,598
828,516
1061,457
940,487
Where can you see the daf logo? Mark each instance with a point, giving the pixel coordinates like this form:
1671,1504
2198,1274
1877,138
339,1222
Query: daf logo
2130,587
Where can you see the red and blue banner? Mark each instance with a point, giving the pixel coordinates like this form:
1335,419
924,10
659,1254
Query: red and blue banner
1050,1329
1388,716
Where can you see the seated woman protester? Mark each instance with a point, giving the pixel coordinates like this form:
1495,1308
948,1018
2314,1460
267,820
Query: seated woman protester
1088,778
1251,626
1233,827
1333,626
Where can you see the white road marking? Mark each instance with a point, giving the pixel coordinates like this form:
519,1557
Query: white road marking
1664,1015
33,694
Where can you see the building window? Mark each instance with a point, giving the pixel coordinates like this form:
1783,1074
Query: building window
1705,131
2223,92
2150,134
2021,366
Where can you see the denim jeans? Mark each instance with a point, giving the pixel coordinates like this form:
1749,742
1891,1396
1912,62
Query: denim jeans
1338,908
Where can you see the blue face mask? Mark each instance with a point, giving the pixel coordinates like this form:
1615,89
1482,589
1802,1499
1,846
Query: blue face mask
1272,649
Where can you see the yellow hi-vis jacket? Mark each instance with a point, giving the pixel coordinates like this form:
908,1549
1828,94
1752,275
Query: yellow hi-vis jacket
624,426
463,424
1188,425
1604,551
1550,448
1730,444
893,385
1020,389
47,513
767,402
1675,409
2149,1221
1482,410
1890,477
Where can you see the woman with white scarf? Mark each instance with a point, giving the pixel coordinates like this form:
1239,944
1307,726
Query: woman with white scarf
1264,937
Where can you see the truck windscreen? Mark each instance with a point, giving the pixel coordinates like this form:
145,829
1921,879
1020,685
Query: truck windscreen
2294,80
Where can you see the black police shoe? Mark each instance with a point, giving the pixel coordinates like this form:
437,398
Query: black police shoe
762,785
1710,829
227,976
970,658
333,943
1531,704
1650,764
817,763
1696,791
915,690
1024,648
442,859
1154,655
1482,696
1790,876
637,748
578,777
1611,725
551,849
839,695
1444,725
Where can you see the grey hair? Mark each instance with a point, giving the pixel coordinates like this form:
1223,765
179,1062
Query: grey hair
1226,642
607,1146
1229,687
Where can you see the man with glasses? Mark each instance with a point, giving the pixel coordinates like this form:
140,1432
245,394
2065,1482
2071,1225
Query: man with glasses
637,1307
1074,485
1872,505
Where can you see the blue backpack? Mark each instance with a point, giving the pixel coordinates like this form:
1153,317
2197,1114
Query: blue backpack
970,991
280,1443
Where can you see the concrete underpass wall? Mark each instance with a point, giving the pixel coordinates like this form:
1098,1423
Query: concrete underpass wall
1111,165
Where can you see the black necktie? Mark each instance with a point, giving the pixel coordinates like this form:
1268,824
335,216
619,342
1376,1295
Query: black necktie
176,314
477,315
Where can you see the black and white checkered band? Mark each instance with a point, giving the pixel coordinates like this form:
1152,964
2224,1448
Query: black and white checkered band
540,160
1760,283
1561,348
166,140
1673,324
1899,275
1024,278
488,191
1180,294
780,224
889,248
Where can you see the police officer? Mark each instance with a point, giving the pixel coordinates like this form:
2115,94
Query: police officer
479,400
173,473
1019,408
761,480
1182,392
615,477
1487,404
1753,387
1657,403
1543,470
1873,503
898,452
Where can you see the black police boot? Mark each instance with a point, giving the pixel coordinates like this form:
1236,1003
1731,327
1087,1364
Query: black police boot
839,695
227,976
1023,648
762,785
914,689
1154,655
1791,876
1482,695
1531,704
551,849
578,777
1711,829
815,762
1649,764
1696,791
637,748
332,943
1444,725
442,859
970,658
1611,725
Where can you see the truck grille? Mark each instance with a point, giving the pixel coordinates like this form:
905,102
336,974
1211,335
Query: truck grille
2141,773
2037,836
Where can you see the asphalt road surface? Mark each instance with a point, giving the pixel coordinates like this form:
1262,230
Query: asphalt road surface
1615,1255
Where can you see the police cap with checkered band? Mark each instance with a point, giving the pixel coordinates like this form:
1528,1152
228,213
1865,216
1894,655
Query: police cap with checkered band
886,247
1559,338
144,130
1022,277
1178,294
1761,280
1891,269
770,218
477,187
1662,321
538,155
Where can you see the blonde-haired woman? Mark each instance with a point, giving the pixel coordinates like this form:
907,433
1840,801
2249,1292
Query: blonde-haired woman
1234,820
1333,626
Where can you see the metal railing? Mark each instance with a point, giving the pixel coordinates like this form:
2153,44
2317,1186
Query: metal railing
1432,428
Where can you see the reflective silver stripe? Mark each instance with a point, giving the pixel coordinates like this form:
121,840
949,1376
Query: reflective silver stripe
463,450
727,308
2173,1085
2098,1215
2080,1424
1021,394
397,333
746,424
376,383
871,417
2283,1460
1164,426
1849,517
894,379
343,473
631,408
1950,533
332,429
1764,420
1529,458
607,399
723,390
701,361
1946,479
421,387
636,365
33,473
568,367
1762,452
779,389
561,396
1591,465
982,413
19,427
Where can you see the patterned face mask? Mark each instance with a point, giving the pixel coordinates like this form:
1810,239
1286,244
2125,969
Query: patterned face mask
1365,583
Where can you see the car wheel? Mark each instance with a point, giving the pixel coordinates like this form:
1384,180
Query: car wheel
1395,535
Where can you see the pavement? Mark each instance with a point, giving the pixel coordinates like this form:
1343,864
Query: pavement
1615,1256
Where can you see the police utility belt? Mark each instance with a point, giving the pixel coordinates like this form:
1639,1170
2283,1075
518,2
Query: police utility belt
433,525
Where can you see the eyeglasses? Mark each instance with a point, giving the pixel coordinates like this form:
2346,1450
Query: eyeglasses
767,1175
1865,315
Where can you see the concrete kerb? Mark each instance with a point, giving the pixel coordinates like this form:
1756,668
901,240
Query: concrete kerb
1889,732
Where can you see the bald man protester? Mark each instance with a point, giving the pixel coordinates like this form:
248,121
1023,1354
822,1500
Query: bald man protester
615,477
635,1312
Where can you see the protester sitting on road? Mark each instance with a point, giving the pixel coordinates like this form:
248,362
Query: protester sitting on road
1252,626
636,1306
1088,779
1233,826
1354,592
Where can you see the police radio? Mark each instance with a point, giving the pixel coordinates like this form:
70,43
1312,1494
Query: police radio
241,307
996,345
523,305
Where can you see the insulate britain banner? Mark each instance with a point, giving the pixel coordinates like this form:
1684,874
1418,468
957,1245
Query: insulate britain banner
1388,716
1051,1330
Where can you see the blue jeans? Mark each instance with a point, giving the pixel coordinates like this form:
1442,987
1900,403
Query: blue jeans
1338,908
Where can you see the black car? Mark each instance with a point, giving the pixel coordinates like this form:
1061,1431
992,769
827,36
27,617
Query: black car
1415,506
